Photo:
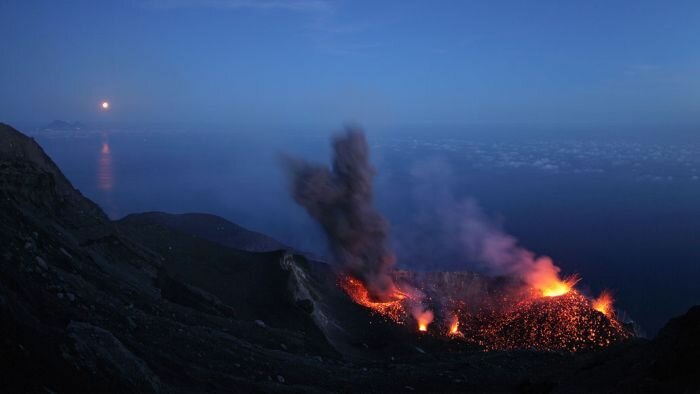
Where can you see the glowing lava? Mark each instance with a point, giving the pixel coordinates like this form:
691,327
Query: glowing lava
393,309
558,287
396,308
555,317
424,319
454,325
604,303
564,323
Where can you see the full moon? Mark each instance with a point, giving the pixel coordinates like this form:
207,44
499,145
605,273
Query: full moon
105,105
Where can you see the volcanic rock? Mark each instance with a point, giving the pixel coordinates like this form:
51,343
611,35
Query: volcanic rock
209,227
563,323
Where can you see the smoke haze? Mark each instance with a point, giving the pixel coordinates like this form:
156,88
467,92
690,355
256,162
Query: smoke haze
340,200
487,244
463,232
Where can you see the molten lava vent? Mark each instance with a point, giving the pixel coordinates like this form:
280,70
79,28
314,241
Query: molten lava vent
393,309
567,322
529,319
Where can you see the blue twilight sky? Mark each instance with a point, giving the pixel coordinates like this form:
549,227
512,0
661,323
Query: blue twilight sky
376,62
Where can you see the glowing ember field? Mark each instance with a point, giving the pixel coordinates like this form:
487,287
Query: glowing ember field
567,322
557,318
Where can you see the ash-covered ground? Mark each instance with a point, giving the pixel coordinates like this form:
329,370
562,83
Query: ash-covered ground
163,303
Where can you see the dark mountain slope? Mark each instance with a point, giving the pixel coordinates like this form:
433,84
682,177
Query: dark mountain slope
83,308
666,364
253,284
210,227
279,288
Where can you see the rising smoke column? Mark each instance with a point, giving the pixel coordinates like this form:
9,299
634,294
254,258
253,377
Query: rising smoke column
340,199
501,254
459,230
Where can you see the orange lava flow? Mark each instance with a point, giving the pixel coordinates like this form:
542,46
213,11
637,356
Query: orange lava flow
604,303
393,309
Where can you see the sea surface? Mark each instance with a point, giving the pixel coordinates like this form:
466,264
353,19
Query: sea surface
623,213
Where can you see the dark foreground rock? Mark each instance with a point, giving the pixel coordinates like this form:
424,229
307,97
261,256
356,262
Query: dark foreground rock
88,305
209,227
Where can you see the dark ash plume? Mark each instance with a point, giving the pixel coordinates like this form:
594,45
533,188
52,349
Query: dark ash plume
340,199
